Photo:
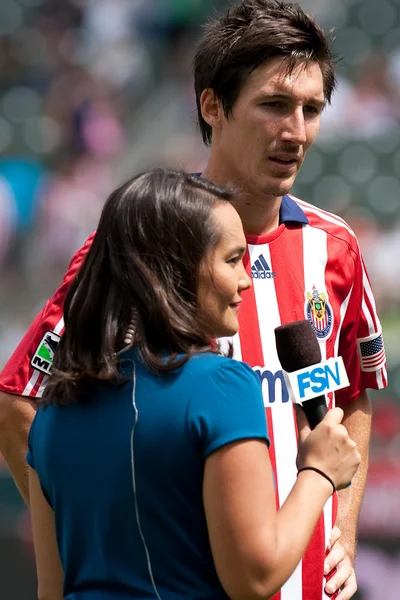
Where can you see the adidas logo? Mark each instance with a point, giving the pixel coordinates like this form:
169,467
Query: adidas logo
261,269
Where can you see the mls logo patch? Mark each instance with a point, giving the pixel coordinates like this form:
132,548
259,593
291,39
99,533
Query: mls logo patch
42,360
319,313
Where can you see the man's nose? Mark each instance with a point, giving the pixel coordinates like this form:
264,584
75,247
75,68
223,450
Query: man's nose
294,129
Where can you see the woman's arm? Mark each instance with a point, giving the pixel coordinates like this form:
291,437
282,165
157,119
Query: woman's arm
255,552
48,565
255,548
16,415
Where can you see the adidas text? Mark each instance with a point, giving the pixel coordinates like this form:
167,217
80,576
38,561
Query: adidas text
263,275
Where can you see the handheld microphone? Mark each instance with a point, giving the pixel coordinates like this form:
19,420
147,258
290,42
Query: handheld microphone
298,352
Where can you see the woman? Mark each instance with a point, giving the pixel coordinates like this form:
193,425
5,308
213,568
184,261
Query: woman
150,470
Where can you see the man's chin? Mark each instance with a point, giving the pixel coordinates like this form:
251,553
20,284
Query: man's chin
278,187
278,191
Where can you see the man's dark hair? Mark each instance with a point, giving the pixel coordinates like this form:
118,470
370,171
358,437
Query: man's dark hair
244,37
153,233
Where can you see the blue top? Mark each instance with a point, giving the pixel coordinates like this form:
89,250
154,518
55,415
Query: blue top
124,472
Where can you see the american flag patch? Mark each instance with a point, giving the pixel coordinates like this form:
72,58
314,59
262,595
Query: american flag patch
371,352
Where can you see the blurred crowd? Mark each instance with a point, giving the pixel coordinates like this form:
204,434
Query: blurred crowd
74,77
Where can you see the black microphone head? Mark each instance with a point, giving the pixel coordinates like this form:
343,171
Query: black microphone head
297,346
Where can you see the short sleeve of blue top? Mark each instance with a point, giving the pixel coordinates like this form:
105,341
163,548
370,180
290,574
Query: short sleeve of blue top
124,472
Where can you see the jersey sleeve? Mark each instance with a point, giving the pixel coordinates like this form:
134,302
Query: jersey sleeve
228,406
26,370
361,340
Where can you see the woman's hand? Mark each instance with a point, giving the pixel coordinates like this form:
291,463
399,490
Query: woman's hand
328,447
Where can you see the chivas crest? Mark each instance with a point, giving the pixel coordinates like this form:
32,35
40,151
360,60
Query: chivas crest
319,313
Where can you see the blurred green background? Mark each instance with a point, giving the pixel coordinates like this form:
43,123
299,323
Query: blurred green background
93,91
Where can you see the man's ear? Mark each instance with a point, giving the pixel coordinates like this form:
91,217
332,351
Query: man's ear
211,108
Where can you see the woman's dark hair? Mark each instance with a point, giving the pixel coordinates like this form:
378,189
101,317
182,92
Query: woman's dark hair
153,233
248,34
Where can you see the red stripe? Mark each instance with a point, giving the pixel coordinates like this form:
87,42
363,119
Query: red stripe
290,308
250,342
249,328
334,507
374,365
371,310
337,292
37,385
374,360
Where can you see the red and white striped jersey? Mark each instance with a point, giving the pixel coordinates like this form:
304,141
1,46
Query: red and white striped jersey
309,267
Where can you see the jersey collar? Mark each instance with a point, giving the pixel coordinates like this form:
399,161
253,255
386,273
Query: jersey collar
290,212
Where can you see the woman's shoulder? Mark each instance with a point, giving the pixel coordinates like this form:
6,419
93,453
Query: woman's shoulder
210,364
201,366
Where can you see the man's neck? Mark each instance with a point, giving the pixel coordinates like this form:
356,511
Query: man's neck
259,212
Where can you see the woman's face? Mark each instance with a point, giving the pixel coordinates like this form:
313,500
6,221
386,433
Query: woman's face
222,276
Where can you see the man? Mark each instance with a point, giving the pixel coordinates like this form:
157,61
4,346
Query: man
263,74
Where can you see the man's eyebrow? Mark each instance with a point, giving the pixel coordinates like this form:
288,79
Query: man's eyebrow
286,96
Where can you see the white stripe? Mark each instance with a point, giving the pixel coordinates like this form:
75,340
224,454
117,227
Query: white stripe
60,325
379,377
223,344
365,309
322,213
315,252
40,391
343,310
31,383
368,317
282,414
237,349
326,216
328,528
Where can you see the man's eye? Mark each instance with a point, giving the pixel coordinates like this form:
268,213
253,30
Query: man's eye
272,104
311,110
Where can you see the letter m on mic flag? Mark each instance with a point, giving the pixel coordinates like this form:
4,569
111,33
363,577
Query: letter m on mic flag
371,352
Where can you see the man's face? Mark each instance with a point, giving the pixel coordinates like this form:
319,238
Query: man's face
274,121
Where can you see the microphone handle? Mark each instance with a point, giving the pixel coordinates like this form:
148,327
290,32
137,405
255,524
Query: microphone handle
315,410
